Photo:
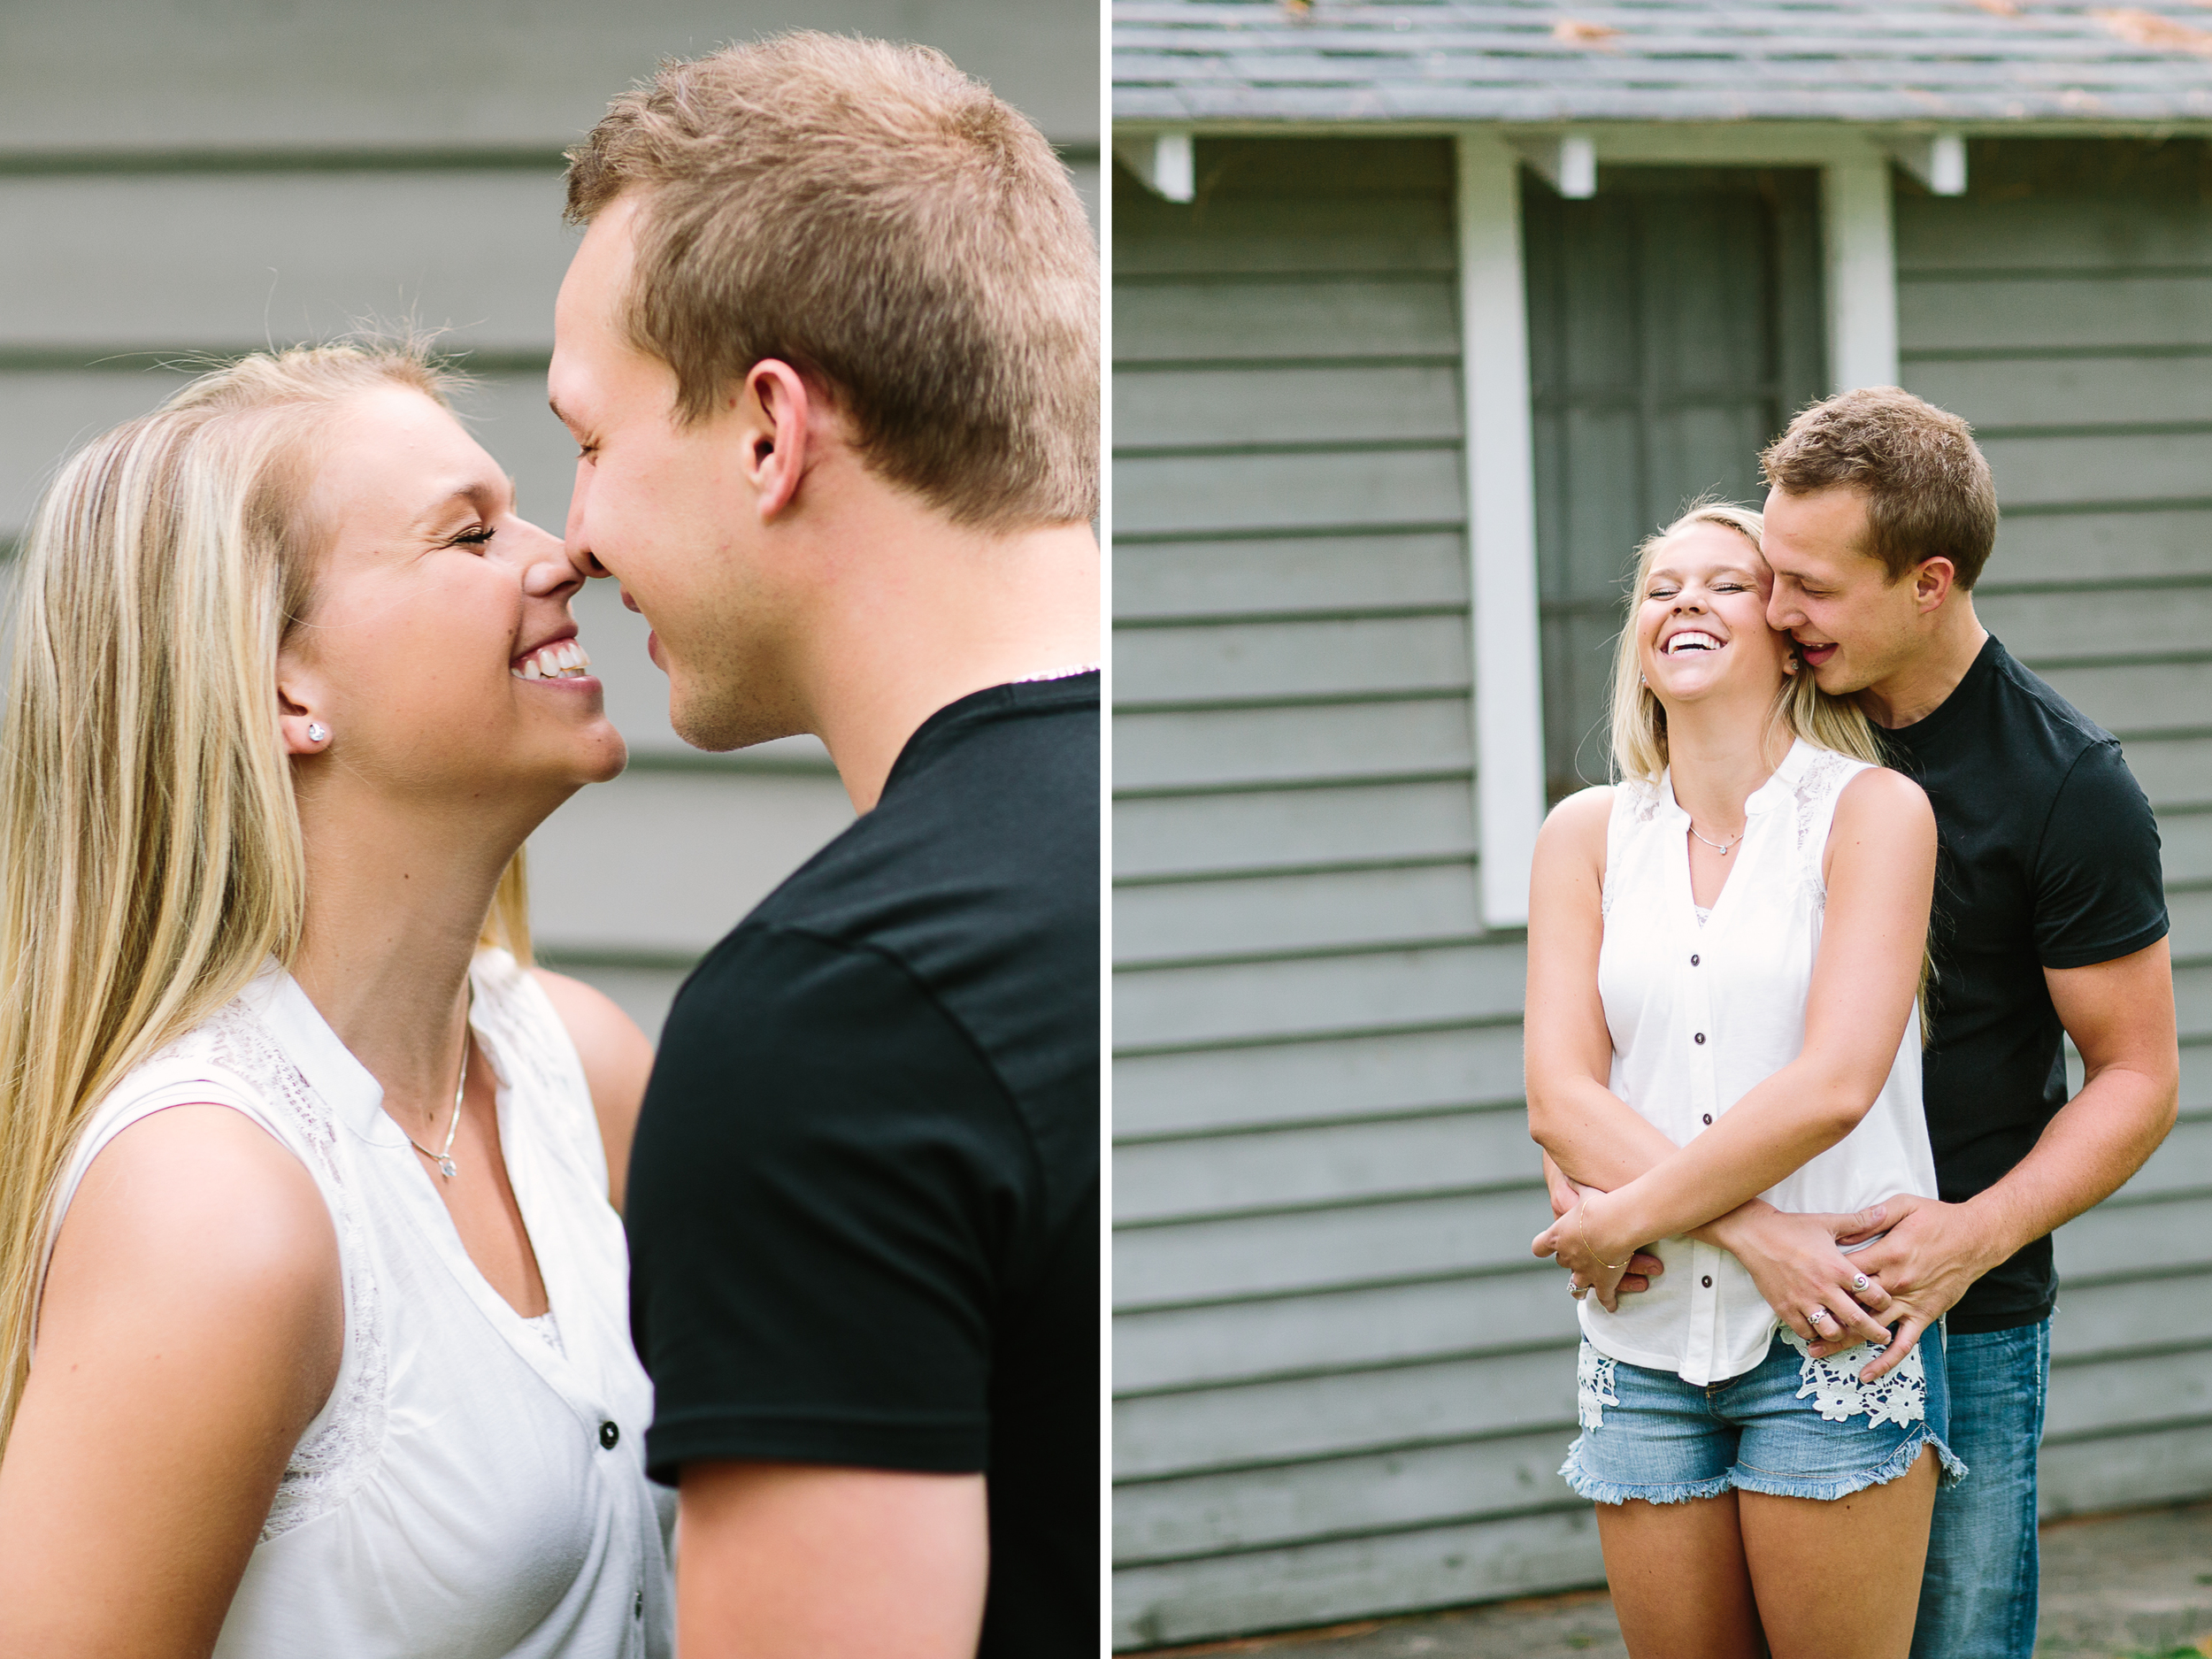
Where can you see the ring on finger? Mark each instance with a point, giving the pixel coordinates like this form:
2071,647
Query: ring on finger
1816,1316
1860,1281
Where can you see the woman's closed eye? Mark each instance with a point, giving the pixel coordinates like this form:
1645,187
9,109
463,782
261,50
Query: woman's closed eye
476,535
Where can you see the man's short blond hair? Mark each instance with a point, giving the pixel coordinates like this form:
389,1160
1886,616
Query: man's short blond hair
1928,491
904,238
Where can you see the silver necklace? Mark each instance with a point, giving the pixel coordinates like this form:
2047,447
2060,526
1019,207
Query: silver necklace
1719,847
444,1160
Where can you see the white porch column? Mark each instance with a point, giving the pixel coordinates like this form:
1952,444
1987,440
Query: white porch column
1861,246
1501,524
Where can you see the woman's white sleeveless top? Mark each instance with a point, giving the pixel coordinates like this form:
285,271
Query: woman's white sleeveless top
1700,1014
474,1487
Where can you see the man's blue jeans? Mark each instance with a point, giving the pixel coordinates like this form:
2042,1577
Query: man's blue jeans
1977,1600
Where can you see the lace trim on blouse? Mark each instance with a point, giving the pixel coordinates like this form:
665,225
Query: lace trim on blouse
325,1468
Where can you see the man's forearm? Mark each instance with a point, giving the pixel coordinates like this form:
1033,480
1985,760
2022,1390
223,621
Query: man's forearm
2086,1153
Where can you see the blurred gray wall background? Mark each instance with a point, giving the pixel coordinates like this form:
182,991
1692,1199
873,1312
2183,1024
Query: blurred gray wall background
182,180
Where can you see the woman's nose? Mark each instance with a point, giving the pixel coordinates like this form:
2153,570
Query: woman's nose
550,570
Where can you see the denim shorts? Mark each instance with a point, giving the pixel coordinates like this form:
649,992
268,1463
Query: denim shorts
1792,1425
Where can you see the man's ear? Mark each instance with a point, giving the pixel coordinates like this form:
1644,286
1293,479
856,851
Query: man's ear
777,409
1931,583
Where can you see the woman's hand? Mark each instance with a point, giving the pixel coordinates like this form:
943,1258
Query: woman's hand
1798,1267
1643,1267
1580,1242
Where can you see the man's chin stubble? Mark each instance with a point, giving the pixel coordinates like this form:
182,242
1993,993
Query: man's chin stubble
720,724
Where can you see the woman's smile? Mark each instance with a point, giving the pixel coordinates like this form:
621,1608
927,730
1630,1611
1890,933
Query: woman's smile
563,659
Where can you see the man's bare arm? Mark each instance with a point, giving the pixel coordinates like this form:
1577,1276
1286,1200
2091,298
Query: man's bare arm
798,1561
2121,1016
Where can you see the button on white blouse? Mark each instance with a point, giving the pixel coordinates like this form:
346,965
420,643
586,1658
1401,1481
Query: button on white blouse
474,1487
1702,1011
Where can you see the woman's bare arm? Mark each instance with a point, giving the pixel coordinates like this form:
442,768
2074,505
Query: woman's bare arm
1596,1138
617,1060
191,1329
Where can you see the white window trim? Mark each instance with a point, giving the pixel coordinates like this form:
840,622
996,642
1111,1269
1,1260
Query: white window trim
1859,246
1501,524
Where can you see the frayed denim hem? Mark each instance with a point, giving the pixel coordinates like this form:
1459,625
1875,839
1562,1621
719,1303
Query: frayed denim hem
1588,1485
1898,1463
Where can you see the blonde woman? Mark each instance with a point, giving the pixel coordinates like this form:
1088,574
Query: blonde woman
1725,950
312,1334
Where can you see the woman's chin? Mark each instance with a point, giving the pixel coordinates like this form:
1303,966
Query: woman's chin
1722,681
614,757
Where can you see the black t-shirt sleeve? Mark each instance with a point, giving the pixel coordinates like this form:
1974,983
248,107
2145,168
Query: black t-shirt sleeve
824,1174
2100,890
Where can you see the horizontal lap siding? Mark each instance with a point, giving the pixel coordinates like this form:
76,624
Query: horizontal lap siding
1340,1386
2065,308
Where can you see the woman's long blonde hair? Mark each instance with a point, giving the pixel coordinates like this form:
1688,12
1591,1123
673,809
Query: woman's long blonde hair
1639,720
150,861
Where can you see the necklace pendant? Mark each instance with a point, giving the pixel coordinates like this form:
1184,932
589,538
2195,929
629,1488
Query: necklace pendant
445,1168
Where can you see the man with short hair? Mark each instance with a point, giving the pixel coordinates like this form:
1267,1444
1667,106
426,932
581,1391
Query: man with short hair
2050,921
829,350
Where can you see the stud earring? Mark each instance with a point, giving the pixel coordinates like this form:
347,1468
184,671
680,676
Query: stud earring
317,733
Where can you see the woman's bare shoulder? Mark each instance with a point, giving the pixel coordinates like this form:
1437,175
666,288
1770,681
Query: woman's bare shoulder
199,1210
1881,799
191,1328
1578,823
195,1272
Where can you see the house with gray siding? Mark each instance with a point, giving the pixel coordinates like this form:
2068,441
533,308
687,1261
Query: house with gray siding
1424,311
184,179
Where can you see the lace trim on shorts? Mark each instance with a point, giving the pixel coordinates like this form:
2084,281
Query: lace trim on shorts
1899,1395
1594,1388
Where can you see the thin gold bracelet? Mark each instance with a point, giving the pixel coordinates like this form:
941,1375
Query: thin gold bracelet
1607,1267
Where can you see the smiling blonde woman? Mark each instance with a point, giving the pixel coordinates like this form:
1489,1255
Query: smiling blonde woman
1723,1056
312,1325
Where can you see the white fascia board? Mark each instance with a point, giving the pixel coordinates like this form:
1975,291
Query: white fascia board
1162,162
1500,523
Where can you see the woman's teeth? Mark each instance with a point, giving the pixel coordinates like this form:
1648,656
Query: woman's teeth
568,660
1692,640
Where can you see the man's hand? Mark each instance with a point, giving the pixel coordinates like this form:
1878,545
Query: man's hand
1798,1266
1642,1266
1930,1255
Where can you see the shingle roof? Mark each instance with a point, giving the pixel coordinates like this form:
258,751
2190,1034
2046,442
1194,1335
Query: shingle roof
1202,61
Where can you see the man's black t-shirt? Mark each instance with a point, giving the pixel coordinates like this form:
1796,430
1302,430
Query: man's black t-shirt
864,1199
2048,859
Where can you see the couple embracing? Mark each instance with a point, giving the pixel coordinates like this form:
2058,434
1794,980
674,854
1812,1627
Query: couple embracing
1798,989
319,1332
